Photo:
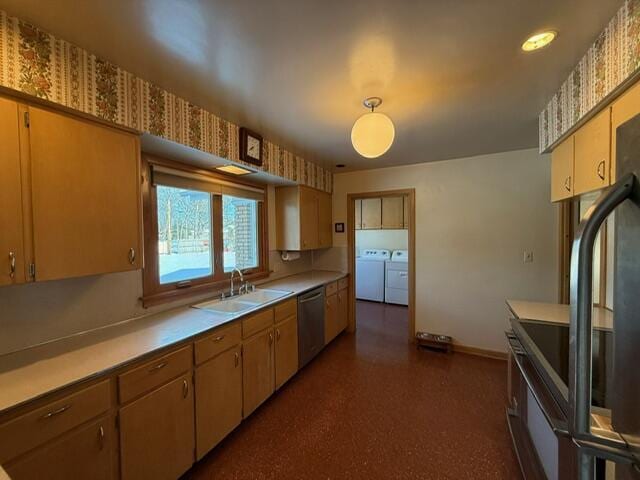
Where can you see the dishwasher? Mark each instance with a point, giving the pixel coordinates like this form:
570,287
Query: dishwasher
310,325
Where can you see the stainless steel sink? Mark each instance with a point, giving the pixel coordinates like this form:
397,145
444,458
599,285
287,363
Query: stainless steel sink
242,303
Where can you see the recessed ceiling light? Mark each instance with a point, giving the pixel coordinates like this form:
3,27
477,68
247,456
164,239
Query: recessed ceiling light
539,40
234,170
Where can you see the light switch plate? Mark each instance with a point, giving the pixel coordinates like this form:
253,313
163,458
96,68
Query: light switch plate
528,257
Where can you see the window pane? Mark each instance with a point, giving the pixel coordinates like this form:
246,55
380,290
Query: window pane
184,234
239,232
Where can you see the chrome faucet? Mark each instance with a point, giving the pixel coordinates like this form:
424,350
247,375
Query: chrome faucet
241,279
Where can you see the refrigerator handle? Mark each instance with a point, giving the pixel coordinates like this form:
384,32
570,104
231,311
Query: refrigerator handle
580,332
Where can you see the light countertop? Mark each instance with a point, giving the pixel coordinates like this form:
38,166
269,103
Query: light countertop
31,373
557,313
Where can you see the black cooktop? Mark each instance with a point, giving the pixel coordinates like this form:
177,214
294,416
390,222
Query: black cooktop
553,342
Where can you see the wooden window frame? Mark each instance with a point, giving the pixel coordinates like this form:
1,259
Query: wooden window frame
154,292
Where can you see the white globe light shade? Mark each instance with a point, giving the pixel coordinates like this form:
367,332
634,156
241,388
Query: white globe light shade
372,134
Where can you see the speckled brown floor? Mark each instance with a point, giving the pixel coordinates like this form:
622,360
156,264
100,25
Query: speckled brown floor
371,406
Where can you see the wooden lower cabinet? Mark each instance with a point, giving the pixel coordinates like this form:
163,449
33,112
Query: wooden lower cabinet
157,433
286,350
343,309
84,453
218,386
258,379
330,317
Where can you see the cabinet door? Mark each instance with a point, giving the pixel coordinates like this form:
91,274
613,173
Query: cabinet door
85,453
218,399
330,318
343,309
592,154
405,211
562,171
308,218
392,212
371,213
258,381
623,109
325,221
12,263
86,202
286,350
358,214
157,433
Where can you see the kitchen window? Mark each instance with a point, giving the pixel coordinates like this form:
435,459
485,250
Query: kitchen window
199,226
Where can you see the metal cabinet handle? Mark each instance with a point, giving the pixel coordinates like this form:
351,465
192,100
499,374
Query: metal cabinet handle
567,183
270,338
53,413
277,334
132,256
12,264
600,169
157,367
219,338
101,437
237,359
185,388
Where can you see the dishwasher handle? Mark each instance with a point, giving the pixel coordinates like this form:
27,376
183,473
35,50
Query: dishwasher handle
315,297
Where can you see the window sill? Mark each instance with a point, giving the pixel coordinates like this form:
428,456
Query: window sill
194,290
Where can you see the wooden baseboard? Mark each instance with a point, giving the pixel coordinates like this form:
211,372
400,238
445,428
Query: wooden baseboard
480,352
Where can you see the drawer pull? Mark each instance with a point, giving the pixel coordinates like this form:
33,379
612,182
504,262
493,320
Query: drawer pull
601,169
159,366
53,413
237,359
185,388
101,437
219,338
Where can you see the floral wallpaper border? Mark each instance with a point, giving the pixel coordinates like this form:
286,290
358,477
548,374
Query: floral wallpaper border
613,58
39,64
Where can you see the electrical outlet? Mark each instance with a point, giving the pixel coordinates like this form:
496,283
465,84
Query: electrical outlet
528,257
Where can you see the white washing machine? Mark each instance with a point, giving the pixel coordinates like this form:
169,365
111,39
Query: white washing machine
370,274
396,289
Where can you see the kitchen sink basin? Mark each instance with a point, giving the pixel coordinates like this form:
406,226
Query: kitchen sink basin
242,303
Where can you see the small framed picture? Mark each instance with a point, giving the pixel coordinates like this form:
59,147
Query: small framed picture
339,227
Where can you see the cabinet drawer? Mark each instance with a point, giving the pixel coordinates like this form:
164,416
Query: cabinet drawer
219,341
47,422
343,283
286,309
153,374
331,288
256,322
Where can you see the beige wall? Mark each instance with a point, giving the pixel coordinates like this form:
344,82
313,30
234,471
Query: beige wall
475,217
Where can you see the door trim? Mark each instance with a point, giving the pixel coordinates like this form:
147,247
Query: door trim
351,245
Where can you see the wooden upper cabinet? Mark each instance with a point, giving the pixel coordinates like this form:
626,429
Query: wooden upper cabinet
12,251
303,218
325,220
157,438
85,196
371,213
562,171
218,399
286,350
392,213
624,108
358,214
592,154
258,380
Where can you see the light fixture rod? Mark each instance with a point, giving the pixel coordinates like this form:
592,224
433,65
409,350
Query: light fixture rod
372,102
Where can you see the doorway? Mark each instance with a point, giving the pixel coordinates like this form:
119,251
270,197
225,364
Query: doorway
407,219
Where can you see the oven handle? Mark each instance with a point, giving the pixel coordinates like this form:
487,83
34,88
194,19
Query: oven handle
558,426
580,331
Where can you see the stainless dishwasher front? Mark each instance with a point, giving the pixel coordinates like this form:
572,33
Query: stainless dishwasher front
310,325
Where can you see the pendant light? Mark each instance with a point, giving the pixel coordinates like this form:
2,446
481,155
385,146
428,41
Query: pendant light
373,133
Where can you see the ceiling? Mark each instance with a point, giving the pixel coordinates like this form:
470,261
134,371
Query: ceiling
451,74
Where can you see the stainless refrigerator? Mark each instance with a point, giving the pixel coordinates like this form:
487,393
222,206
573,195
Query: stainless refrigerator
619,444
